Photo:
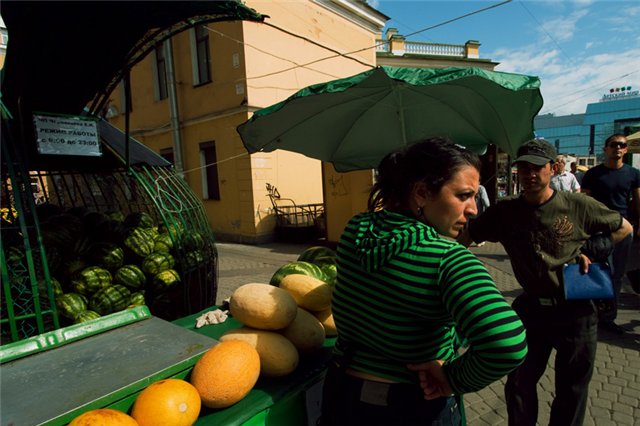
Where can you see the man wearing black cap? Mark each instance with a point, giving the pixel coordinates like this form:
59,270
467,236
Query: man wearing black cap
541,230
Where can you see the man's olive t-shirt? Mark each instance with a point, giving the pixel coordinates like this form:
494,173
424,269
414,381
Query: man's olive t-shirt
540,239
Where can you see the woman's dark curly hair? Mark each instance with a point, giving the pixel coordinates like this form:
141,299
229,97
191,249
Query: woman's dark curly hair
433,161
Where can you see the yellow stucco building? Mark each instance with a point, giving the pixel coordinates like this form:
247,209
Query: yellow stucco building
189,96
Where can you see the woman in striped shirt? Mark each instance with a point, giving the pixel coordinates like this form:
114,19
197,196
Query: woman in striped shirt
406,295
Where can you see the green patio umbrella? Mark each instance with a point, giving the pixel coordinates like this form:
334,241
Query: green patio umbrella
353,122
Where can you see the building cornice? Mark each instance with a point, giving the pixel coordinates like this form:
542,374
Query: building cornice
356,11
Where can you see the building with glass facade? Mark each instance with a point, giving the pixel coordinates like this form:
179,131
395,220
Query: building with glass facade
583,135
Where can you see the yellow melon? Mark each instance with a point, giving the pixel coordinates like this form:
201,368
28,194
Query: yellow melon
309,293
262,306
169,402
305,332
104,417
278,356
226,373
326,319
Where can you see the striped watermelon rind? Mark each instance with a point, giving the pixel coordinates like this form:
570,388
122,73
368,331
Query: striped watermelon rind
163,243
130,276
139,241
136,299
91,279
165,279
106,255
312,253
157,262
70,305
110,299
331,272
297,267
87,315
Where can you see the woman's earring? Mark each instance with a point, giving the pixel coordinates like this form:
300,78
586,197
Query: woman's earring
419,211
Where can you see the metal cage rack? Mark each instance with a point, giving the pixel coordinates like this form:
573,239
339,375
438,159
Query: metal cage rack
29,197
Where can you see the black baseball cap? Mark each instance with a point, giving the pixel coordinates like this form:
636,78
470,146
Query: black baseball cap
536,151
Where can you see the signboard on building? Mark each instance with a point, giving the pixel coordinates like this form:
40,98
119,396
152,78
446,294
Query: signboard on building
618,93
67,135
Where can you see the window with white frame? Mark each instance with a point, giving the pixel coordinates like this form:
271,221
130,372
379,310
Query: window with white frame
200,55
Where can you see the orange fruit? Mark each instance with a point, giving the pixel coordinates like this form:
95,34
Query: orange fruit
104,417
226,373
169,402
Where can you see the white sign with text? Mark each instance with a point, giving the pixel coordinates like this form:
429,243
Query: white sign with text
67,135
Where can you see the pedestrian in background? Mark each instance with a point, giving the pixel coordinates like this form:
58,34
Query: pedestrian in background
541,230
404,291
562,179
617,185
578,171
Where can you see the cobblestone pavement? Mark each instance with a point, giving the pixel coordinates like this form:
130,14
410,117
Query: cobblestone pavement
614,393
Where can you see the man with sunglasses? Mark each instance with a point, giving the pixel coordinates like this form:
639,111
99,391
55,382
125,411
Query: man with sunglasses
617,185
541,230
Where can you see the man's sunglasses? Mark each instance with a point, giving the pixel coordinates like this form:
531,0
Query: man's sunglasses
618,144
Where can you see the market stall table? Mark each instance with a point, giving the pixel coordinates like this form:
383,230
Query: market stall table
289,400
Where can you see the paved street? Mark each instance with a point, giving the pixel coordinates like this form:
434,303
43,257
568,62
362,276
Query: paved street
614,394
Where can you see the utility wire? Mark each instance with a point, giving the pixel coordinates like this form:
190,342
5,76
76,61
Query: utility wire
338,54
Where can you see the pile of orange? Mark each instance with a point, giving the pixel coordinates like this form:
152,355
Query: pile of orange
221,377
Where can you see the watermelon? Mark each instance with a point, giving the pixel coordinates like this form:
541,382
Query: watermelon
193,241
325,260
130,276
116,215
165,279
70,305
174,229
157,262
330,270
312,253
91,279
163,242
139,219
194,258
136,299
110,299
57,287
107,255
85,316
297,267
140,242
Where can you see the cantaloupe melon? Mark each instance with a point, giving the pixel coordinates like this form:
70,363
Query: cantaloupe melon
278,356
305,332
226,373
309,293
326,319
104,417
262,306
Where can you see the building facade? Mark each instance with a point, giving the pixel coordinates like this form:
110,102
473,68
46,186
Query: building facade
188,97
583,135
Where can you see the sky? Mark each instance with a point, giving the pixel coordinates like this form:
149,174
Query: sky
579,49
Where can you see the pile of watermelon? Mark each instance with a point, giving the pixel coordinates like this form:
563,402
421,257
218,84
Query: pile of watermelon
103,263
317,261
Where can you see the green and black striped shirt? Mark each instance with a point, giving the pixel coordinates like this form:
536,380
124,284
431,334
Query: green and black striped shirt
404,292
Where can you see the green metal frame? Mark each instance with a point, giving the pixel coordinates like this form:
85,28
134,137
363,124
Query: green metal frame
25,309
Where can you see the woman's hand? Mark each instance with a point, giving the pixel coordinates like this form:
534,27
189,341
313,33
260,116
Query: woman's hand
433,379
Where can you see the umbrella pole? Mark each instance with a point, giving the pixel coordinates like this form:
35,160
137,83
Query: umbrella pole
400,113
